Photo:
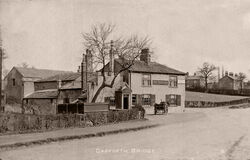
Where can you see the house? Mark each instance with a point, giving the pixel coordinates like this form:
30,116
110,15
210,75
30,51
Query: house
20,82
194,81
144,83
229,82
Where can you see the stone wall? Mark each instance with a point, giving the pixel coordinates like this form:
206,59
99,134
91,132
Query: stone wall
26,123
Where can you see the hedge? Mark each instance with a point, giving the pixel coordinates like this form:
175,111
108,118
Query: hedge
26,123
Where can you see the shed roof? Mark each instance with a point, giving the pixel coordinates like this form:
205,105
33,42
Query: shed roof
37,73
43,94
68,76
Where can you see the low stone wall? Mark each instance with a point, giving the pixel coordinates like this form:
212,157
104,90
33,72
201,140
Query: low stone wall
207,104
25,123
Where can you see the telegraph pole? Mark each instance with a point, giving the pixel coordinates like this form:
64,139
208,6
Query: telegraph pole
1,62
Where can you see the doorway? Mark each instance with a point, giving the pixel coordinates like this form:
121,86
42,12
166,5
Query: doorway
125,101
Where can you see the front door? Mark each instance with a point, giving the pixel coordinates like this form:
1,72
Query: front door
125,101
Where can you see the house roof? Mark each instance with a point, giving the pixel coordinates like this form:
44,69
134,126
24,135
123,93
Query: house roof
151,67
43,94
37,73
77,84
193,77
68,76
231,77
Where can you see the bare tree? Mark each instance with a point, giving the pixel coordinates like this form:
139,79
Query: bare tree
99,41
241,77
206,72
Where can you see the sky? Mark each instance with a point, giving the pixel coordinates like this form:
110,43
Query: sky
185,33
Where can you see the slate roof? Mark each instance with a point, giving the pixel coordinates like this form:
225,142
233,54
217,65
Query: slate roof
151,67
68,76
72,85
193,77
37,73
43,94
77,84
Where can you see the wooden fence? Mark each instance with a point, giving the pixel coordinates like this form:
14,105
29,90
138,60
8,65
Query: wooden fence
82,108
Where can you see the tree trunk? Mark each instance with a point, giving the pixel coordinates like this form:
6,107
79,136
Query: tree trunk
97,93
205,84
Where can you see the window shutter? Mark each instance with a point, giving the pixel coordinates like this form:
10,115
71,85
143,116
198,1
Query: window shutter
168,98
152,99
178,100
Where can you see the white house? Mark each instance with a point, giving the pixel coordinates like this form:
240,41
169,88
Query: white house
144,83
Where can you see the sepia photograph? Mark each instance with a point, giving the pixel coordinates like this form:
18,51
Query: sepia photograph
125,80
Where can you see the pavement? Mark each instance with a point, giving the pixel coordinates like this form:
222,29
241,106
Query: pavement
19,140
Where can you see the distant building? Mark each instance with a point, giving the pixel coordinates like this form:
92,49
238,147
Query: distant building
20,82
229,82
194,81
246,85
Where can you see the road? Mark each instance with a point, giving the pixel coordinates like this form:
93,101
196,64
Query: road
216,134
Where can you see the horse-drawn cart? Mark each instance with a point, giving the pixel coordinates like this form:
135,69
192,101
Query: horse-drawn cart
162,108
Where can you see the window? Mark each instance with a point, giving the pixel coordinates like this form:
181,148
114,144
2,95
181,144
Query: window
110,100
13,81
146,80
133,99
146,99
173,100
173,81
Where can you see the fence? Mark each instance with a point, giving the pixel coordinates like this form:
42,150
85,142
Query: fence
82,108
25,123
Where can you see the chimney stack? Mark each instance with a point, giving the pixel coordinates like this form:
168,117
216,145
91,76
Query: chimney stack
89,60
111,57
223,73
226,73
83,72
145,56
